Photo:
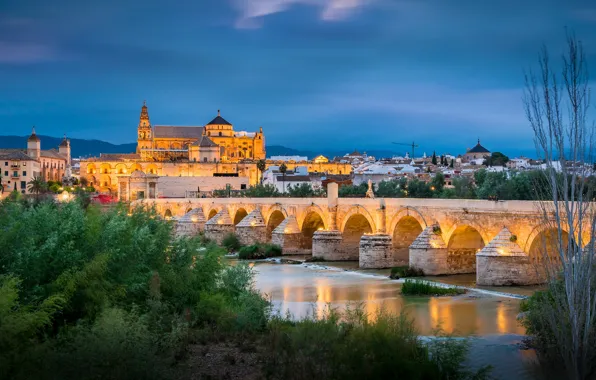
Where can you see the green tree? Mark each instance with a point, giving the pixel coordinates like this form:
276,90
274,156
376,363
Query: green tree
37,185
437,183
434,158
261,191
283,169
496,159
83,182
353,191
261,166
451,165
304,190
1,184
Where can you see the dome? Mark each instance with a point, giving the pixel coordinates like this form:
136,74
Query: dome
33,137
218,120
478,149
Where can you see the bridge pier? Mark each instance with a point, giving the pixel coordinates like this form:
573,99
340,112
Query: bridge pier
429,252
375,251
252,229
191,223
219,226
328,246
503,263
288,236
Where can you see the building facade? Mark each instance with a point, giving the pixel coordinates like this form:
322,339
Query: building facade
20,166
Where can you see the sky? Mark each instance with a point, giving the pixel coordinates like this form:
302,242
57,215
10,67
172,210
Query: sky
315,74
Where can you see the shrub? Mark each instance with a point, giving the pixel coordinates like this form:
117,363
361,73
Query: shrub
314,259
231,242
259,251
352,346
405,271
423,288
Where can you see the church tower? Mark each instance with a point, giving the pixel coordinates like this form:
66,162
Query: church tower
144,131
33,146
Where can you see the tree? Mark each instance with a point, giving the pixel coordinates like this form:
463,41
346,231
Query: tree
283,169
304,190
452,163
1,185
496,159
37,185
434,159
261,166
437,183
84,182
563,322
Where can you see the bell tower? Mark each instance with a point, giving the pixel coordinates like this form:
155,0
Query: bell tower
144,131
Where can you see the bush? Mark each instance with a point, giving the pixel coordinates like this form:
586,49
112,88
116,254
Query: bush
405,271
352,346
423,288
314,259
259,251
231,242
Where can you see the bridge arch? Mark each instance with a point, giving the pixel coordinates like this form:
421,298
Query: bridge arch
212,211
313,220
543,242
358,210
167,214
464,242
403,234
354,226
272,210
240,214
276,217
410,212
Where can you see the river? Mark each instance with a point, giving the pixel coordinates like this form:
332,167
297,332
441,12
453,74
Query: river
488,316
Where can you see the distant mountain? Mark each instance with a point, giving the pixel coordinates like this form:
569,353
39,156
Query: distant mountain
91,148
79,147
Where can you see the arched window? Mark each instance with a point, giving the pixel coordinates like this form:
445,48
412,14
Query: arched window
204,159
220,134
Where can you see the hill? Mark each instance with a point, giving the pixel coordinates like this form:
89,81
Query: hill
90,148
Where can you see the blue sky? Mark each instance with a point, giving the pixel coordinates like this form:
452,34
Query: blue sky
315,74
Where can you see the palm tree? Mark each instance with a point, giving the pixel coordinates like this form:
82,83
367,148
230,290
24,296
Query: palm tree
283,169
261,166
37,185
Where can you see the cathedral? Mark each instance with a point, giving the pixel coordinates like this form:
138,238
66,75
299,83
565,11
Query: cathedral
215,142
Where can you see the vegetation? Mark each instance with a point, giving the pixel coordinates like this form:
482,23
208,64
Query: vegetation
261,166
261,191
37,185
283,169
484,185
496,159
259,251
231,242
405,271
424,288
305,190
349,345
562,320
90,294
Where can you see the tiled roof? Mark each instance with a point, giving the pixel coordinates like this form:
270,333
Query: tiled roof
218,121
14,154
294,178
170,131
478,149
52,153
205,142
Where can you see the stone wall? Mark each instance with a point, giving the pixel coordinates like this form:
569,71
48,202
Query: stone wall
327,245
217,232
507,271
375,251
291,244
249,235
176,187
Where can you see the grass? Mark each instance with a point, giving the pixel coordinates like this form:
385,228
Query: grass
422,288
405,271
259,251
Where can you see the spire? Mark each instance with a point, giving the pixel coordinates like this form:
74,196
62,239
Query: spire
144,112
33,136
478,141
218,113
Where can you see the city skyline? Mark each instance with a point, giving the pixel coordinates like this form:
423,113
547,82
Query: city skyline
340,73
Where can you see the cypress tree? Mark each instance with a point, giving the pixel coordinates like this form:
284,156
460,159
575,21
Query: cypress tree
434,159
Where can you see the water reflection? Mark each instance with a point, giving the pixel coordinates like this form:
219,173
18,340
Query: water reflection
303,291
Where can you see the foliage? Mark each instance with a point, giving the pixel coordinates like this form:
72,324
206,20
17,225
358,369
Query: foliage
353,346
259,251
37,185
261,166
434,158
405,271
353,191
424,288
261,191
304,190
231,242
55,188
496,159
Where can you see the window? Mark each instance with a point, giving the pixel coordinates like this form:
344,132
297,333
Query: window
15,174
24,164
24,174
242,186
204,159
219,134
6,163
214,159
23,185
6,173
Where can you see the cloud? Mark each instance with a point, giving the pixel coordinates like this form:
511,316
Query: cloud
13,53
253,11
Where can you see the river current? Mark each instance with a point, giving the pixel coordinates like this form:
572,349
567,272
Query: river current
487,316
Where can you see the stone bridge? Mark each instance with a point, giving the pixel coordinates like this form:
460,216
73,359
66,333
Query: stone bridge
502,242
